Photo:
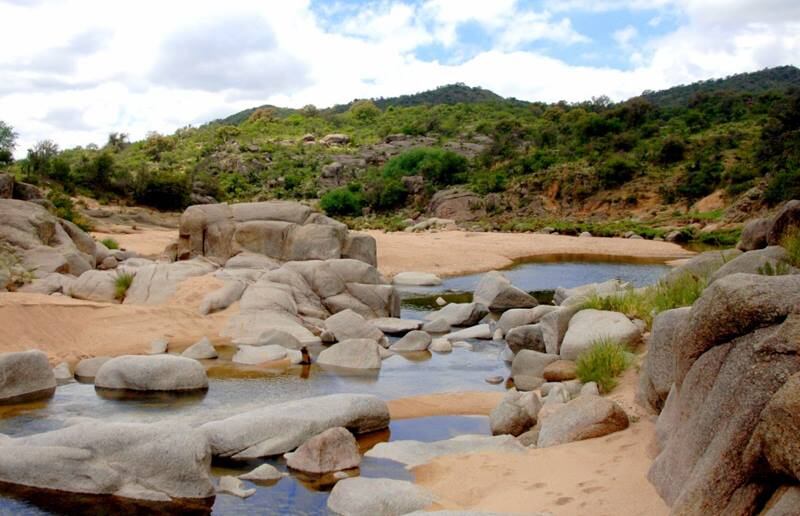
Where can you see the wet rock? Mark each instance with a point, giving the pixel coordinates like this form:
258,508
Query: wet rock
560,370
121,459
263,473
279,428
233,486
361,496
334,449
417,279
350,325
87,368
413,341
584,417
274,337
151,373
496,292
481,331
352,354
200,350
26,377
440,345
252,355
440,325
396,326
440,301
460,314
588,327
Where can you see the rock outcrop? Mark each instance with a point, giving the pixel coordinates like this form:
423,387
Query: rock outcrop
25,376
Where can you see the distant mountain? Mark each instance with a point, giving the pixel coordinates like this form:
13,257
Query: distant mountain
458,93
779,78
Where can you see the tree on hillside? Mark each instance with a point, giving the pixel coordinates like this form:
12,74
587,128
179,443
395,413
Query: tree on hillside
117,141
39,158
8,142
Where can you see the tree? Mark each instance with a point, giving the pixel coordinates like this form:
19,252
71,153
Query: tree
8,138
39,158
117,141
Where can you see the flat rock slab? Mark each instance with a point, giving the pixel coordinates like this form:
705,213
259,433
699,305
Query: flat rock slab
417,279
277,429
414,453
361,496
152,373
396,326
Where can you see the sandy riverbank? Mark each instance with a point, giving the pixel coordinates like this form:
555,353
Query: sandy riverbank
603,477
450,253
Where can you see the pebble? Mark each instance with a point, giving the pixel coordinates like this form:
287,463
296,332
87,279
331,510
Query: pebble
494,380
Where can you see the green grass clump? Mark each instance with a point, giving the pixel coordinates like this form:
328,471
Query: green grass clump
121,285
110,243
791,242
602,363
646,303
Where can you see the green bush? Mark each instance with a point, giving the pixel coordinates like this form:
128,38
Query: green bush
489,182
791,242
64,208
342,201
110,243
163,190
438,166
616,172
672,150
122,283
602,363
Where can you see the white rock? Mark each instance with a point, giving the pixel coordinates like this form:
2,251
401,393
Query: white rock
481,331
360,496
463,345
440,325
63,374
412,341
151,373
252,355
200,350
233,486
352,354
414,453
590,326
417,279
158,347
264,473
440,301
441,345
395,326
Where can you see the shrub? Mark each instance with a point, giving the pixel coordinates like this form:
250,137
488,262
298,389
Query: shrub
63,207
602,363
489,182
438,166
110,243
616,172
672,151
791,242
163,190
121,285
342,201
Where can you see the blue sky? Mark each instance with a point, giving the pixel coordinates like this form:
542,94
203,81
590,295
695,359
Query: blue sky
83,70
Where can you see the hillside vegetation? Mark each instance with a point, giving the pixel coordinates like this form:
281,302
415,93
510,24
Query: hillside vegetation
521,165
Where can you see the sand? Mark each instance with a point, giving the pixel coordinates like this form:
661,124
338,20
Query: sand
147,242
70,329
603,476
468,403
450,253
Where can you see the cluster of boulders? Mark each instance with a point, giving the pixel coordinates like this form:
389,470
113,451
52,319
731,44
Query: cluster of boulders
724,376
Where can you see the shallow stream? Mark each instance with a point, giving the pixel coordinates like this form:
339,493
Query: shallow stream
235,388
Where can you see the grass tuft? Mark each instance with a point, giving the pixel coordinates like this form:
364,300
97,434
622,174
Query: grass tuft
121,285
791,242
110,243
603,363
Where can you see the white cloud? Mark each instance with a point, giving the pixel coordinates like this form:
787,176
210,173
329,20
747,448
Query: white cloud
75,70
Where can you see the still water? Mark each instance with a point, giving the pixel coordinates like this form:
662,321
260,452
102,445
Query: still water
234,388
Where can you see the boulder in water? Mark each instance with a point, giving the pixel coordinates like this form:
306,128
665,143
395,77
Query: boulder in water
152,373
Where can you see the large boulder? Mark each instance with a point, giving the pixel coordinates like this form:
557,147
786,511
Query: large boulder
352,354
25,376
358,246
496,292
279,428
584,417
360,496
457,204
702,266
526,337
717,454
658,370
732,306
555,325
156,462
155,283
785,221
460,314
334,449
587,327
521,316
776,434
223,297
94,285
349,325
762,261
754,234
152,373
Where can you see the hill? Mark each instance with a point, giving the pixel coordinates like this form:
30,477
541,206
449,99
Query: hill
779,78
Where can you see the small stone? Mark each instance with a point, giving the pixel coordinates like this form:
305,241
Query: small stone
494,380
441,345
200,350
590,389
463,344
498,334
158,347
233,486
527,383
440,301
264,473
334,449
560,370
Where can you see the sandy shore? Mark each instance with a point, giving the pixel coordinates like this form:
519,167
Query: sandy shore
450,253
603,476
147,242
469,403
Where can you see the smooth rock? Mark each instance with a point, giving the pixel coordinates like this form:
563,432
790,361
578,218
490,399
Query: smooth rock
531,363
481,331
263,473
494,380
352,354
359,496
334,449
440,345
558,393
233,486
560,370
658,368
515,414
528,337
223,297
587,327
252,355
412,341
396,326
26,376
522,316
282,427
440,325
151,373
771,258
350,325
440,301
584,417
590,389
200,350
87,368
496,292
460,314
413,453
417,279
158,347
754,234
63,374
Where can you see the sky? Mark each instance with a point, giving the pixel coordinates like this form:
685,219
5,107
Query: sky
75,70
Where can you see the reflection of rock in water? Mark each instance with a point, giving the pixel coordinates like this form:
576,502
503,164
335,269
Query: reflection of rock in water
166,397
59,502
